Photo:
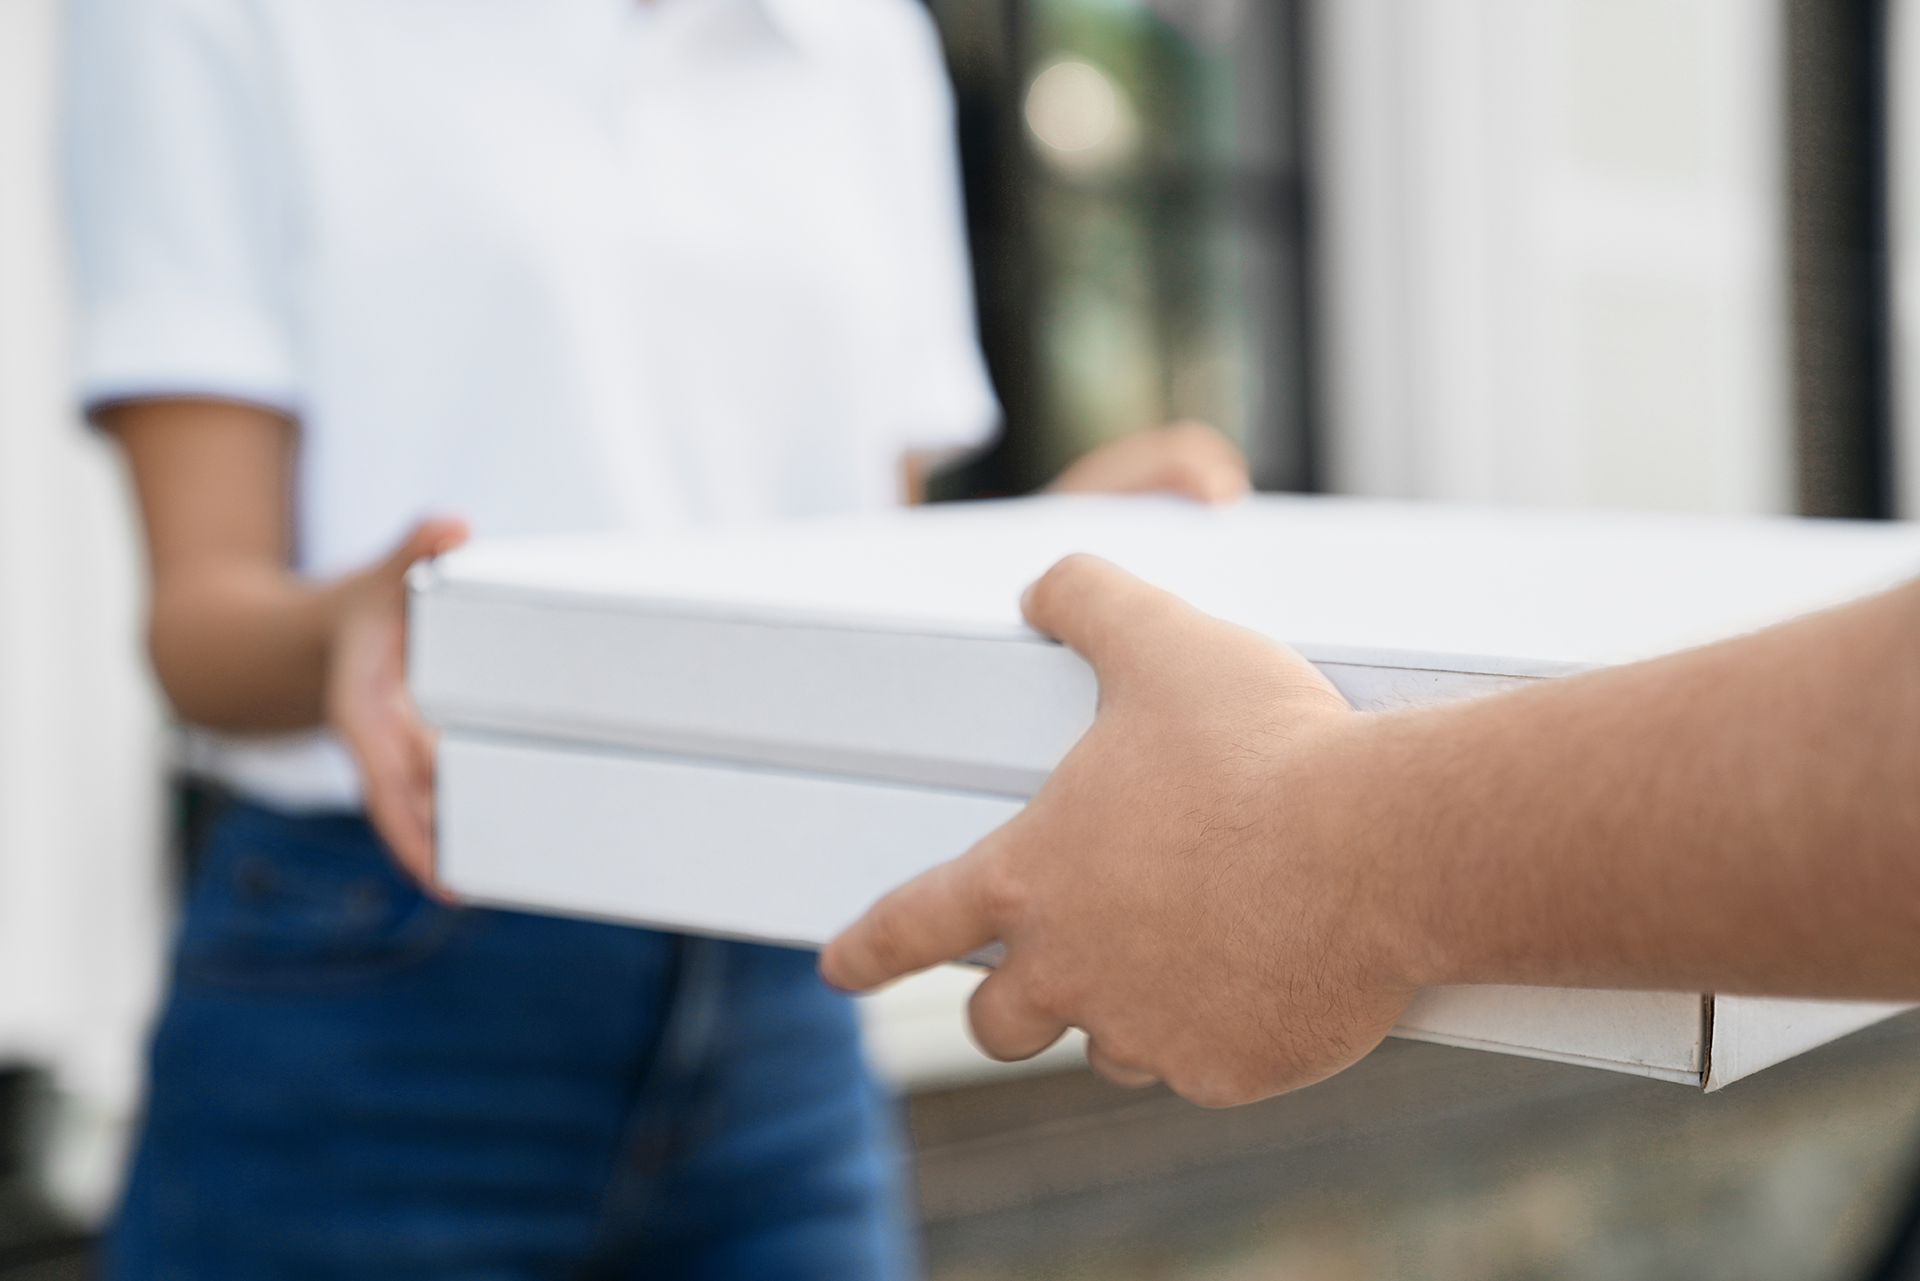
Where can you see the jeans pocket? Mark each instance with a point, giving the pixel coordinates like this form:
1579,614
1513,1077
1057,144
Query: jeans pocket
288,903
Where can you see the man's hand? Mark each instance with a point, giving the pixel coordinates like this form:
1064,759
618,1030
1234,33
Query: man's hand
1188,458
1235,885
367,702
1161,891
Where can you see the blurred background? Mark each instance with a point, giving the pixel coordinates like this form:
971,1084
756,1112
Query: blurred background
1632,253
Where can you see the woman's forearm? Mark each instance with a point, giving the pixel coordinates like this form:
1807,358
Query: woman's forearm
239,642
242,647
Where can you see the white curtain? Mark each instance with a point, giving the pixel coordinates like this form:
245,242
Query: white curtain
1555,266
80,886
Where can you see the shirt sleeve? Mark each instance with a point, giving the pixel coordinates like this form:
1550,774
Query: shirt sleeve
176,160
943,396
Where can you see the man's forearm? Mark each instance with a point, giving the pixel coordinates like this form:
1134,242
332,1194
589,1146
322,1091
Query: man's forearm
1739,818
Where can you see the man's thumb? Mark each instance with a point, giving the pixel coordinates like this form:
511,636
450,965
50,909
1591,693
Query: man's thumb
1098,609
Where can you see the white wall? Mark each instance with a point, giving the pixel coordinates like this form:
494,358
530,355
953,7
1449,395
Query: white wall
1555,260
80,913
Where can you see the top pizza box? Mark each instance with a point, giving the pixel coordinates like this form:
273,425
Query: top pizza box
755,732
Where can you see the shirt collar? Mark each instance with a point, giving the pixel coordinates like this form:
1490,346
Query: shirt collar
781,16
736,20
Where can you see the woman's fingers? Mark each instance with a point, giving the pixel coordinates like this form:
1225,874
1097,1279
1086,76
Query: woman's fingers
1187,458
431,537
397,819
369,706
394,753
1200,463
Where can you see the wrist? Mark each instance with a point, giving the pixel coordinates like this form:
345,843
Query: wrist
1371,810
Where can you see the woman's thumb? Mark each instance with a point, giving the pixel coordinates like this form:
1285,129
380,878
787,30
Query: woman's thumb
430,537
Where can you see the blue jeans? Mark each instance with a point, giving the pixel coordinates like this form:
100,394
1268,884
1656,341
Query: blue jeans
350,1080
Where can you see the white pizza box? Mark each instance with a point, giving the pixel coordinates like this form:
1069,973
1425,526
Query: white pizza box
755,732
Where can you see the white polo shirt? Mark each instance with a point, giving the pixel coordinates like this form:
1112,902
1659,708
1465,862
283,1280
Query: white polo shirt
553,265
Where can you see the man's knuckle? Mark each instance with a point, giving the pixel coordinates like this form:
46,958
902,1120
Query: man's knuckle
1068,574
1043,598
1210,1090
1184,1082
1125,1051
1003,891
1220,1082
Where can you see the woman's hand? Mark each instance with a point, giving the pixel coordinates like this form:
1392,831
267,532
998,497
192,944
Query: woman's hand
367,702
243,644
1188,458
